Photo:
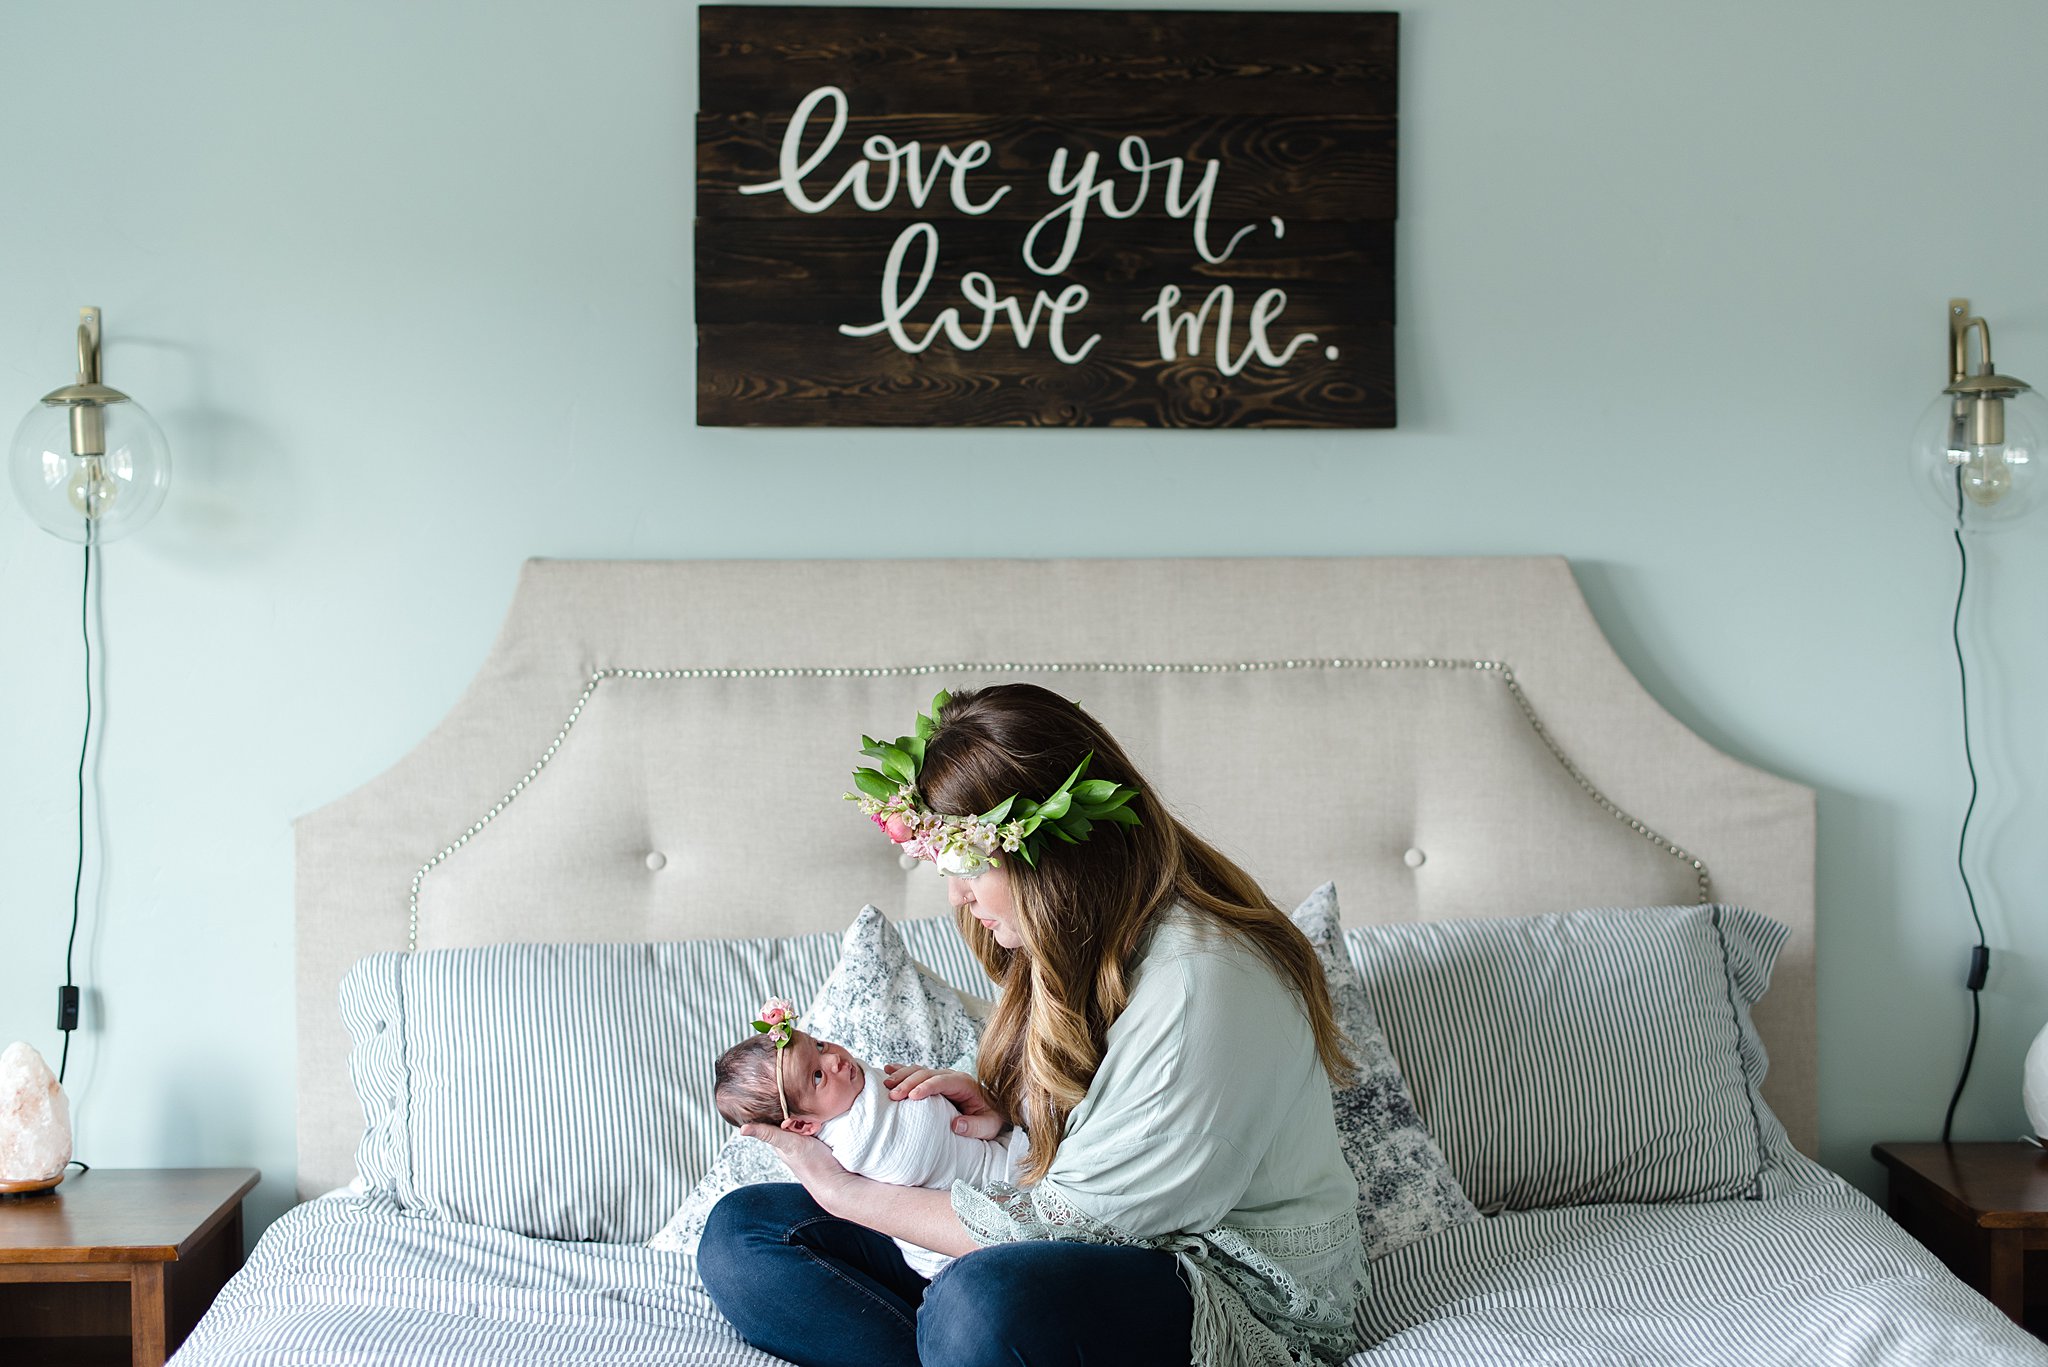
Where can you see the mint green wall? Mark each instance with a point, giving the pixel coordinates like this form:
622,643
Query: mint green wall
409,287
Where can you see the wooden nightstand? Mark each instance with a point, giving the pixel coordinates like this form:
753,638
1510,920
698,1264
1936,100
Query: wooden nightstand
174,1235
1982,1209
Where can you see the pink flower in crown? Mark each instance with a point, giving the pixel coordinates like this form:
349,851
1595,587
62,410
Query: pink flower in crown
899,830
776,1011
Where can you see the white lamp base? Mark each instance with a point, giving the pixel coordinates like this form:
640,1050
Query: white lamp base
2034,1092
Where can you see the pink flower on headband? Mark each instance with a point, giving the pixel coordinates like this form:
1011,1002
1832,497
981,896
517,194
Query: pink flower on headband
898,829
777,1019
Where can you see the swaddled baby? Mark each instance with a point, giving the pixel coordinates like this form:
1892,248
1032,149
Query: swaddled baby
782,1076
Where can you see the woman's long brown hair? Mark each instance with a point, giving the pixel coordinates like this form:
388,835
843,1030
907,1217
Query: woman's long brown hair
1085,909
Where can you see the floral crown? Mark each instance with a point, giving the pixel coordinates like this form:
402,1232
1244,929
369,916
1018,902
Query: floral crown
963,846
777,1021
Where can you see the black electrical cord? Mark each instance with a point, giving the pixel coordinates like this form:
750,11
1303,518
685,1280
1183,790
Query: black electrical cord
67,1000
1980,956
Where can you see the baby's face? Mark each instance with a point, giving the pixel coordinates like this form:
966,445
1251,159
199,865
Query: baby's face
822,1079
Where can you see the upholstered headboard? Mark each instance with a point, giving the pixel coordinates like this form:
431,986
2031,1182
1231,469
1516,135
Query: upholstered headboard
657,751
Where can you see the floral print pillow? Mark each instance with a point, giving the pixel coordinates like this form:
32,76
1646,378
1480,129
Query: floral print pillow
885,1008
1405,1189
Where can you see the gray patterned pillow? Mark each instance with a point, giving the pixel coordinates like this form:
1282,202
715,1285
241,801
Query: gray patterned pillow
1405,1188
884,1007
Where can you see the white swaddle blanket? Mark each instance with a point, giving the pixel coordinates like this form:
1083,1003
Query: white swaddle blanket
912,1144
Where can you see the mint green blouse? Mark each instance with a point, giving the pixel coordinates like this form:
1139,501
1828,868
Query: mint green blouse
1208,1133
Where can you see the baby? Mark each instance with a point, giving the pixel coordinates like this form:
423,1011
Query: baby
782,1076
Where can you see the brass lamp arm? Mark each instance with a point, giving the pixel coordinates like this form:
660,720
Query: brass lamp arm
1960,322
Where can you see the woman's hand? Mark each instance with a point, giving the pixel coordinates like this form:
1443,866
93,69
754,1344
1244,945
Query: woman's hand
808,1159
978,1119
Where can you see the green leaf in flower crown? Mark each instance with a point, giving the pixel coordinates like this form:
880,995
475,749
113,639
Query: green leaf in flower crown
927,725
1077,826
1111,803
1029,858
1120,816
874,785
1094,790
1055,807
912,746
894,761
995,814
760,1027
1061,831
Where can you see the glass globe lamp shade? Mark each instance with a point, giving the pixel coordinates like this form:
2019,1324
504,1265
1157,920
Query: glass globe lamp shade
1980,460
96,498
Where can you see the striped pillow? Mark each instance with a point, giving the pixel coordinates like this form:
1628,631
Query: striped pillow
1591,1056
557,1091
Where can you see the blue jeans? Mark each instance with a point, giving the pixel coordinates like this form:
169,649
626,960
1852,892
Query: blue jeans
825,1292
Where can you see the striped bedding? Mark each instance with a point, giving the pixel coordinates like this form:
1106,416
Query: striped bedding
1814,1275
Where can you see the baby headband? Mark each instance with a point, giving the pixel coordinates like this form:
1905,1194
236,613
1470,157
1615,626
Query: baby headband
777,1020
963,846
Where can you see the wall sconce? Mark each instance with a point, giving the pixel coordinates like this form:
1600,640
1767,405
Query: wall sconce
1976,457
89,463
1977,452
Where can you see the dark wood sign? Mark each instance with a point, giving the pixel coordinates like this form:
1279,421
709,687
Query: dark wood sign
919,217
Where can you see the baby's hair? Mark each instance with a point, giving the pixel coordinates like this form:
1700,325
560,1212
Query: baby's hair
745,1091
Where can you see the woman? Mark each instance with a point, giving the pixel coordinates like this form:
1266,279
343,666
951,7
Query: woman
1163,1035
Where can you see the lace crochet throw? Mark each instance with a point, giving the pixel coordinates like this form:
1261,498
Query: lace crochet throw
1262,1297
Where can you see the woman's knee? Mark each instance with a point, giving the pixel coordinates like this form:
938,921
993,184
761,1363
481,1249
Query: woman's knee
1039,1302
742,1224
983,1308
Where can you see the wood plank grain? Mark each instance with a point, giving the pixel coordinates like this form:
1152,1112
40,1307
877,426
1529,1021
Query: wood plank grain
1294,113
1995,1185
1295,166
147,1339
1080,62
44,1273
793,375
113,1215
808,271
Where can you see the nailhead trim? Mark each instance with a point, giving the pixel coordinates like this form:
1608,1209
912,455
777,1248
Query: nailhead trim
1494,668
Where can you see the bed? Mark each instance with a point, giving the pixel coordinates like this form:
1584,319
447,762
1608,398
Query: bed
1451,741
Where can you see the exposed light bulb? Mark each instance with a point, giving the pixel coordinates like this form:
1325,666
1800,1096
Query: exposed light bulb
91,489
1977,448
1985,472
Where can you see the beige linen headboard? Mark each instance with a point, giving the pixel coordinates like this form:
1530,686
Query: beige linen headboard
657,751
